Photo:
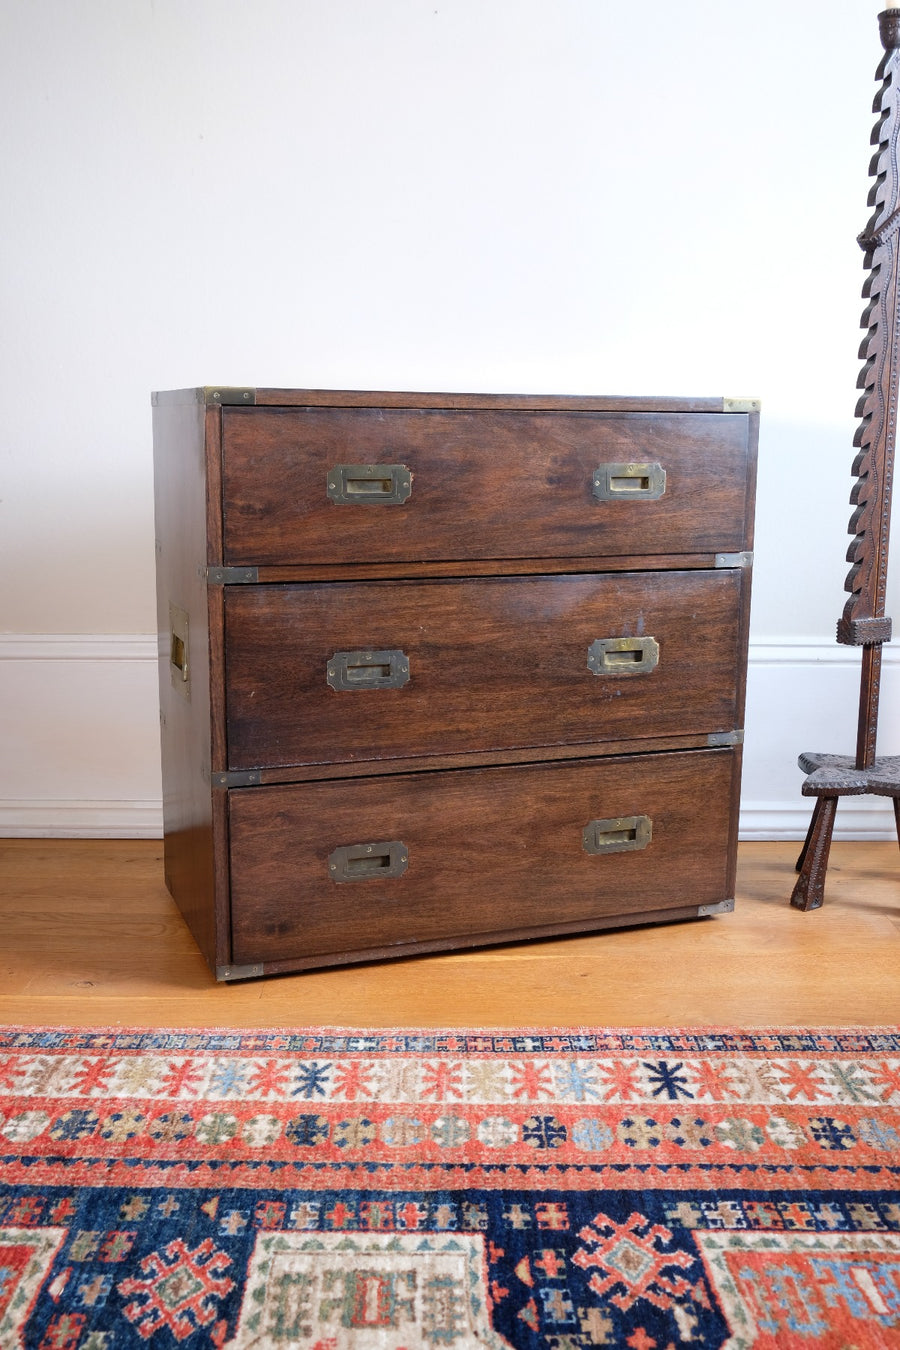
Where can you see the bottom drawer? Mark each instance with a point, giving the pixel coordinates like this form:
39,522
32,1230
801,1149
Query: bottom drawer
327,872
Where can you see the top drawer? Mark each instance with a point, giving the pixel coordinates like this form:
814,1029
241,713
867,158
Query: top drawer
361,485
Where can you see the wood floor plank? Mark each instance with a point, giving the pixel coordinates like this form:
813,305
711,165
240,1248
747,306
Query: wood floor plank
90,936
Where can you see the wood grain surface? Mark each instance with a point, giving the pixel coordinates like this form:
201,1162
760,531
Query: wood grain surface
492,664
490,852
92,937
491,484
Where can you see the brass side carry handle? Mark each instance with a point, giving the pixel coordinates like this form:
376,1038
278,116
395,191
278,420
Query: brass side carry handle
369,484
179,648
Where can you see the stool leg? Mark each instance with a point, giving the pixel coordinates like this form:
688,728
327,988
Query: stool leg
809,891
809,833
897,816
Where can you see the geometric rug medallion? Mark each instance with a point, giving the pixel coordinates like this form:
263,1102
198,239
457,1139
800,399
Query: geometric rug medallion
370,1190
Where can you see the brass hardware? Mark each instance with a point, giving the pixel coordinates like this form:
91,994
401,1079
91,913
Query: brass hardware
629,482
239,972
365,862
749,405
623,656
722,907
232,778
369,484
224,396
734,559
622,834
716,738
179,649
232,576
368,670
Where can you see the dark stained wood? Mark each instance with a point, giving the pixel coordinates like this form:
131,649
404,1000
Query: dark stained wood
734,820
356,398
213,460
492,853
483,567
463,942
863,622
482,758
750,477
494,664
183,433
809,892
494,579
493,484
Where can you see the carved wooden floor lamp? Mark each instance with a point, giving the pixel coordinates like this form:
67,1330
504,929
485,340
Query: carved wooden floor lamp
863,623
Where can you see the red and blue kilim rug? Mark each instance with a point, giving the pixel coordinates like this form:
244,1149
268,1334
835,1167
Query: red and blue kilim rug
340,1190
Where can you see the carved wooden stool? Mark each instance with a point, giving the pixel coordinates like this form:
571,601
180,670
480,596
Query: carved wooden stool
863,622
831,777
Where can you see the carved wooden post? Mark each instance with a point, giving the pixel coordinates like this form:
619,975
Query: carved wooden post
863,622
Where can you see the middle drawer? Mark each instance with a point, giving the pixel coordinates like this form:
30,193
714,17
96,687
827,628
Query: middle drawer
345,672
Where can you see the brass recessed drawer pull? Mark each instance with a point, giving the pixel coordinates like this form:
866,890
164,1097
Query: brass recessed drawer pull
369,484
623,656
629,482
622,834
368,670
363,862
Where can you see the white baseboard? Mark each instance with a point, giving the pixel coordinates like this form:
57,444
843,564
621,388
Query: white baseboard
79,744
79,736
48,819
857,818
77,647
802,696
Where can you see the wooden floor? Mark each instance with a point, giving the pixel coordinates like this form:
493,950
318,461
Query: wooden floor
89,936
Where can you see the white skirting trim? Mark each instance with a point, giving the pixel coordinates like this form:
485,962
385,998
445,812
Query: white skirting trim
79,739
814,652
802,695
857,818
79,736
77,647
46,819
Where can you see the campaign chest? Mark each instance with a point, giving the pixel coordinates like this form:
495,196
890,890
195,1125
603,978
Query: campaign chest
439,671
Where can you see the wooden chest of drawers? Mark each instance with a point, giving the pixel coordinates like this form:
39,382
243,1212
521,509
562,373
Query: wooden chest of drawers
441,671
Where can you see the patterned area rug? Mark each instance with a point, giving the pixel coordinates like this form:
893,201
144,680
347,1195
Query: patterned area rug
343,1190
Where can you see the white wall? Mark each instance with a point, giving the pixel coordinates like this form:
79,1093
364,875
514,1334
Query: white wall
572,196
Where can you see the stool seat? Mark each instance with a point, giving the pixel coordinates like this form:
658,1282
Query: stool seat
838,776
